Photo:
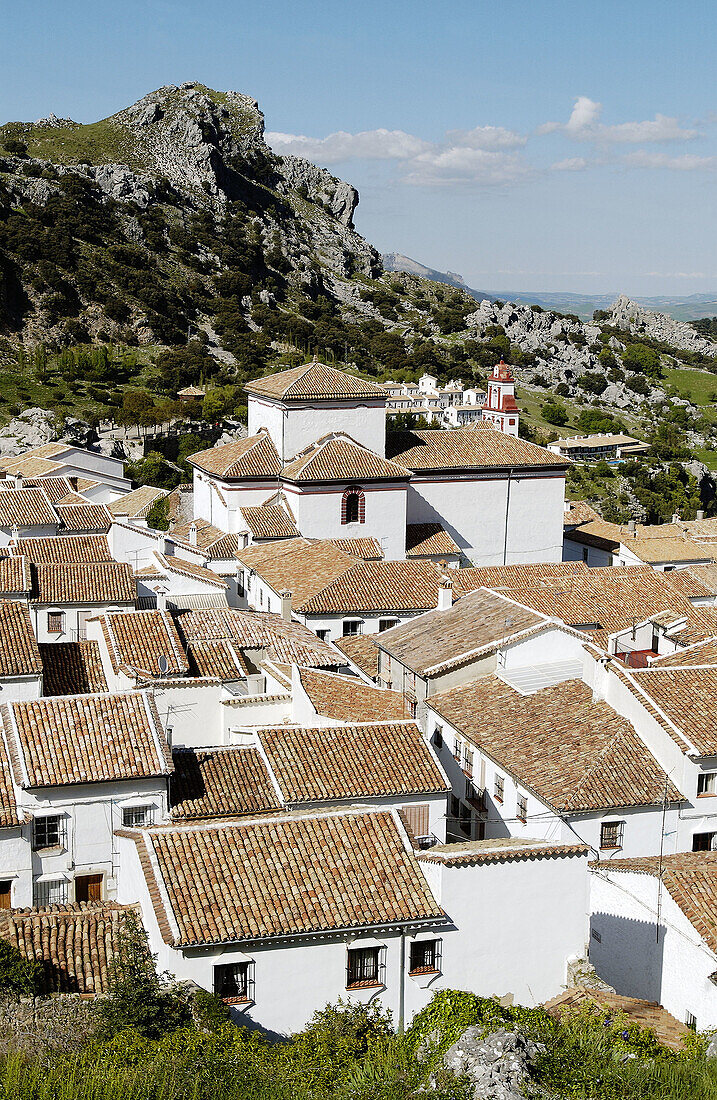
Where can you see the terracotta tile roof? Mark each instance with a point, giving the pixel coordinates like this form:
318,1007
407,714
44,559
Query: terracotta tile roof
361,649
76,945
85,739
423,539
702,653
257,630
701,624
604,600
218,659
136,504
581,755
221,782
690,585
26,508
504,577
189,569
216,544
690,878
19,655
466,853
705,575
351,761
348,699
45,450
72,668
15,576
646,1014
254,456
69,548
682,700
86,582
665,542
478,622
368,549
297,565
31,466
10,813
377,586
54,488
457,448
84,517
579,511
314,381
136,640
269,521
340,458
283,876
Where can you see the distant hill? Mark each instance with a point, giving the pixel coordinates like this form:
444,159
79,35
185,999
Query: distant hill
682,309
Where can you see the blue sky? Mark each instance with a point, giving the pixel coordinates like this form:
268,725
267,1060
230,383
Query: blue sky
545,145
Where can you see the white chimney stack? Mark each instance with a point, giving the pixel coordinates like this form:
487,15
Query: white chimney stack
700,514
286,606
161,599
192,534
445,595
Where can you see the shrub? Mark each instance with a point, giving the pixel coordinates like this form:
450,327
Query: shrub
18,976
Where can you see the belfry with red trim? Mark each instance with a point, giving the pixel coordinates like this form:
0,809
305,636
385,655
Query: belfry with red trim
501,410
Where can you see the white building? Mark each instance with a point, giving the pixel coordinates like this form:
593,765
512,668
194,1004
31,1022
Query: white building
652,932
317,437
99,477
501,409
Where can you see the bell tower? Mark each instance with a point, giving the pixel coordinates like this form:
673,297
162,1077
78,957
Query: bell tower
501,410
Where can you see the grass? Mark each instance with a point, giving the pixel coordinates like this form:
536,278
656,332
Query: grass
104,142
698,386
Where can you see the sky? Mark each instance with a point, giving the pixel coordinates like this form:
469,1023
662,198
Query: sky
554,145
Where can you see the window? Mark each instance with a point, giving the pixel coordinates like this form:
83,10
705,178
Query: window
691,1021
467,760
704,842
136,817
231,981
417,820
706,783
585,553
457,750
55,622
353,506
499,788
362,967
88,888
48,832
386,624
352,626
323,635
50,892
522,807
437,737
611,834
423,957
454,808
465,820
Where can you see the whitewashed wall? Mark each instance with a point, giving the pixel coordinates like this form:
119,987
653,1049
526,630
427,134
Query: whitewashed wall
296,426
317,510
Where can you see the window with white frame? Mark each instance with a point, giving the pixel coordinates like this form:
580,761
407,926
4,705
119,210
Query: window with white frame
323,635
499,788
49,832
706,783
352,627
55,622
234,982
363,967
386,624
611,834
457,748
136,817
522,807
468,760
47,892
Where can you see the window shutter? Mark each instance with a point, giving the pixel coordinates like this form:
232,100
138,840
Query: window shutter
417,819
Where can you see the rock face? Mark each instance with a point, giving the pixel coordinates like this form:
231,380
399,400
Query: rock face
498,1065
633,318
35,427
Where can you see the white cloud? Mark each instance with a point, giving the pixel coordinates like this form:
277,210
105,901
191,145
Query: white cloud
584,125
341,146
486,137
570,164
686,162
463,166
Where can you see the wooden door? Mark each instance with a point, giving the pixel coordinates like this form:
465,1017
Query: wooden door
5,893
88,888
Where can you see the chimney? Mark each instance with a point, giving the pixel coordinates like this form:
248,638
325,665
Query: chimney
675,517
15,532
445,595
192,534
700,513
286,605
17,480
631,527
161,599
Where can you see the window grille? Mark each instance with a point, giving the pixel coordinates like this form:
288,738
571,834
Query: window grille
522,810
49,832
424,957
137,817
499,789
611,833
55,622
352,627
706,783
234,981
49,892
362,967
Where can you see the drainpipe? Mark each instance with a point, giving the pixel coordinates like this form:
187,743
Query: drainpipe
402,985
507,508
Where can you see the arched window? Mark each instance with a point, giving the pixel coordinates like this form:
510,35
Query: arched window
353,506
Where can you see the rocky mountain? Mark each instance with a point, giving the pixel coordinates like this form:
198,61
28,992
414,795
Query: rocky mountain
635,319
396,261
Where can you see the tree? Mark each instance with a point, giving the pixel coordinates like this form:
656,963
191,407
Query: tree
158,515
555,413
136,404
641,358
18,976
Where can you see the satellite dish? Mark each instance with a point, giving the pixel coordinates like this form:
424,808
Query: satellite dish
163,665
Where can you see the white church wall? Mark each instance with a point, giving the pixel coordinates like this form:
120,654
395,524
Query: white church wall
317,511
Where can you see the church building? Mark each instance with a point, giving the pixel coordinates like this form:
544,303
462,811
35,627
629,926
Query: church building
317,462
